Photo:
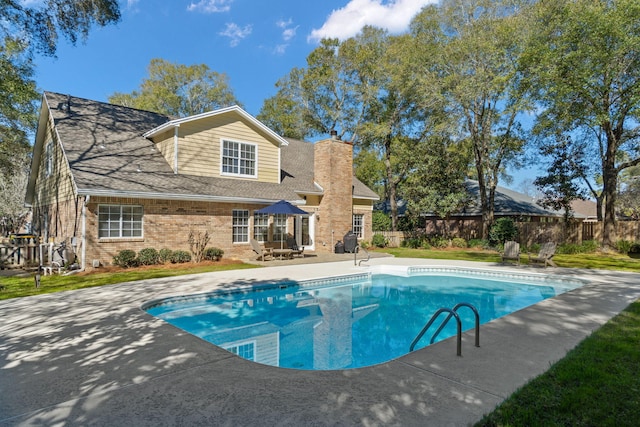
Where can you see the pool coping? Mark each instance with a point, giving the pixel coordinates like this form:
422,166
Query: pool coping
70,358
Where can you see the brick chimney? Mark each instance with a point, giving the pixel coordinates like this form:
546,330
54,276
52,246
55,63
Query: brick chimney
333,171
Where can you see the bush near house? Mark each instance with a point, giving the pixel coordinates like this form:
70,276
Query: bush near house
165,255
179,257
379,241
213,254
125,258
148,256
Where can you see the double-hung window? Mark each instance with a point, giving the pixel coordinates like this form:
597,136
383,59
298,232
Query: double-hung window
358,225
240,226
279,227
119,221
239,158
261,227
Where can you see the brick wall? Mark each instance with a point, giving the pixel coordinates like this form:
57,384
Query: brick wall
333,166
166,224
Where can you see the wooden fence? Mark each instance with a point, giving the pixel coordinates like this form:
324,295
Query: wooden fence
540,232
18,255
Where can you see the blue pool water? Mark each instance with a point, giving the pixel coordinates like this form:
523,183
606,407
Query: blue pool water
348,322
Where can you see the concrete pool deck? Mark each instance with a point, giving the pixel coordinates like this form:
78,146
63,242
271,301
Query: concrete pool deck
93,357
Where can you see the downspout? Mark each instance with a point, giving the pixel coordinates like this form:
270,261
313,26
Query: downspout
83,266
175,148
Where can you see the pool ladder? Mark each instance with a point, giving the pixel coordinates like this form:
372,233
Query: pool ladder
453,312
355,256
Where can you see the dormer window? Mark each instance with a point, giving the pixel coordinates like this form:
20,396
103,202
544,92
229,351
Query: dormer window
238,159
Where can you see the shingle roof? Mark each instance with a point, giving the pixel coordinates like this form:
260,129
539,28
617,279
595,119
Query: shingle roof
107,155
507,203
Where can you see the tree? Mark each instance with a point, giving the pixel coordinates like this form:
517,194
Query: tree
478,68
179,90
27,28
629,195
436,183
284,112
583,66
559,188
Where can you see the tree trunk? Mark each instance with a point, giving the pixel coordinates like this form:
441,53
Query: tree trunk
609,189
393,203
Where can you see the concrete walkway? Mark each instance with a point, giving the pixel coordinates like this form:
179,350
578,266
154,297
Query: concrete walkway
93,357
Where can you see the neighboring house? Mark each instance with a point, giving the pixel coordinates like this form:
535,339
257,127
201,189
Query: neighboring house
106,178
467,222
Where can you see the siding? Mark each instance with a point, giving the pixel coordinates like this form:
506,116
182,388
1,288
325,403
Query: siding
199,147
164,144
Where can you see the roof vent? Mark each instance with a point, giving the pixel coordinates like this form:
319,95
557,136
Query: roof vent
334,134
68,105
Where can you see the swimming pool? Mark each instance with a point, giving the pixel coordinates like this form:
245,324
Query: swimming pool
350,321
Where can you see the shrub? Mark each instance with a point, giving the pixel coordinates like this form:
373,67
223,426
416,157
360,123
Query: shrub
534,248
179,257
635,248
198,243
425,245
213,254
439,242
125,258
148,256
165,255
413,243
379,241
502,230
458,242
590,246
624,246
569,249
478,243
380,221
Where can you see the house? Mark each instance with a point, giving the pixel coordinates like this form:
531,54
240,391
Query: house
106,178
467,222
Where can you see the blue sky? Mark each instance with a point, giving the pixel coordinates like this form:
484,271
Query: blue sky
254,42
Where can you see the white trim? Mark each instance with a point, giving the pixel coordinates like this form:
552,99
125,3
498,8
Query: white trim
175,148
233,109
121,205
83,237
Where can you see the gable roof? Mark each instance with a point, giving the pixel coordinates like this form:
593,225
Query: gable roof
234,109
108,155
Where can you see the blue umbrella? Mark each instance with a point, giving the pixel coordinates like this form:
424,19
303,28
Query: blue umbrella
282,207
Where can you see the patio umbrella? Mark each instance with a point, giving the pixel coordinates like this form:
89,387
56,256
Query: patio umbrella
284,208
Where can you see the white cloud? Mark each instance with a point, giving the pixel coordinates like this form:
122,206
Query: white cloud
394,16
235,33
210,6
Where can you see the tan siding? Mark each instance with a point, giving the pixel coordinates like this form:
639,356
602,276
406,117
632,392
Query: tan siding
199,147
165,144
59,186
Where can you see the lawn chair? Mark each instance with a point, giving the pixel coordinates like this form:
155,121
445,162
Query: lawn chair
511,252
293,245
260,250
547,251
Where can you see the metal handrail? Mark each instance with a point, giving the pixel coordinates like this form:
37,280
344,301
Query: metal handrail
453,312
355,256
455,309
430,322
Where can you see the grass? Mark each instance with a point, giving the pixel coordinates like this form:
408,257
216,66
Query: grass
596,384
598,260
15,287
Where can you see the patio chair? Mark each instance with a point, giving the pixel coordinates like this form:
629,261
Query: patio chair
547,251
260,250
293,245
511,252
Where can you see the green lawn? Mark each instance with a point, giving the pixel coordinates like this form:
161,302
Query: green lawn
14,287
596,384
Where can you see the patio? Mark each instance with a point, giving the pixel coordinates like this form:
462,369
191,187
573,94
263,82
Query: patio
92,357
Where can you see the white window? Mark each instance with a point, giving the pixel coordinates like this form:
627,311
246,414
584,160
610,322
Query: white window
238,158
244,350
240,226
279,227
48,159
119,221
358,225
261,227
